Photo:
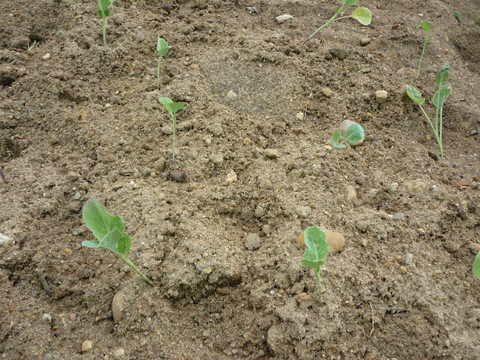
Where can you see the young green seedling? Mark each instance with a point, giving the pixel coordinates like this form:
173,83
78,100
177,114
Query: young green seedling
458,16
316,251
103,11
162,49
353,135
172,108
361,14
426,27
478,17
438,100
476,266
108,230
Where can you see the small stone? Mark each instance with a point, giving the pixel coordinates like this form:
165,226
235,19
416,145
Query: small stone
194,66
365,70
300,116
231,177
398,215
365,41
393,187
87,345
336,241
381,96
252,241
178,175
231,94
351,193
117,307
215,129
304,211
428,137
327,92
46,56
119,352
271,153
282,18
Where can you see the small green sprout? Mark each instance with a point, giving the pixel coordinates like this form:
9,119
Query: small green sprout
438,100
458,16
32,46
476,266
162,49
316,251
353,134
478,17
108,230
172,108
103,11
361,14
426,27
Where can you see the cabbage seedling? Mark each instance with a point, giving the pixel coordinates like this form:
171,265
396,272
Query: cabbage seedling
361,14
476,266
438,100
426,27
172,108
108,230
162,49
316,251
103,11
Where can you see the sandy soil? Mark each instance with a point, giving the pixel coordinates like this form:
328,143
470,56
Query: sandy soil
80,120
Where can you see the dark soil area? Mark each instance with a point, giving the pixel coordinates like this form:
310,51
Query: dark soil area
81,120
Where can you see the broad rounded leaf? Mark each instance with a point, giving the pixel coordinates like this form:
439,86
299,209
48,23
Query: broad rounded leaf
117,242
425,26
99,221
170,105
476,266
441,95
162,47
354,133
362,15
317,247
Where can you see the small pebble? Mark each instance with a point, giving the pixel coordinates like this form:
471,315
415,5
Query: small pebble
117,307
381,96
178,175
398,215
87,345
282,18
300,116
365,41
252,241
119,352
271,153
351,193
231,177
46,57
304,211
231,94
393,187
48,356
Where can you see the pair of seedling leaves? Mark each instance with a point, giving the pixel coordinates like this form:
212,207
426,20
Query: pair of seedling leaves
316,251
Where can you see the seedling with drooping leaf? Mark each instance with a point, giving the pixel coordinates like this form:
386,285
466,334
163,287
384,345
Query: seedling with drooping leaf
172,108
426,27
361,14
109,231
162,49
438,100
476,266
316,251
103,11
458,16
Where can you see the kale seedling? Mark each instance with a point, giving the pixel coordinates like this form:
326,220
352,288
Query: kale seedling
476,266
103,11
361,14
172,108
162,49
426,27
316,251
438,100
108,230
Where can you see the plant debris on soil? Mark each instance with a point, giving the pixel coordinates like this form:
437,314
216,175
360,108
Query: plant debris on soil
217,235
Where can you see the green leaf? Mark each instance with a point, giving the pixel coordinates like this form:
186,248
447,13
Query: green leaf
99,221
117,242
441,95
442,75
362,15
425,26
103,9
350,2
476,266
91,243
162,47
458,16
317,247
415,95
170,105
354,133
336,139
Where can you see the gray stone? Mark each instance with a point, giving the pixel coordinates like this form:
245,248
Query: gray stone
252,241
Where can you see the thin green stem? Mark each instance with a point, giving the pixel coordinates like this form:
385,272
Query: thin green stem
130,263
174,142
339,10
158,72
104,22
421,56
318,277
440,132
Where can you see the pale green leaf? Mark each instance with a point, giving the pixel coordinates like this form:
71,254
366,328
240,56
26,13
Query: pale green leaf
117,242
415,95
91,243
162,47
425,26
354,133
170,105
335,140
317,247
476,266
99,221
362,15
442,75
441,95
